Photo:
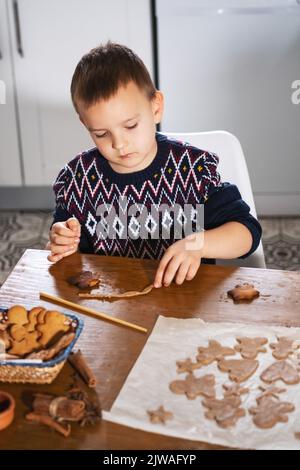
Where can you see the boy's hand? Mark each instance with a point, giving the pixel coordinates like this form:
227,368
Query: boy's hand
64,239
182,259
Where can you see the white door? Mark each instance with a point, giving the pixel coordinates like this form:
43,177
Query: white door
10,164
53,35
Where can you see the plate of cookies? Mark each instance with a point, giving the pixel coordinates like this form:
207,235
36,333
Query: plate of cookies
35,343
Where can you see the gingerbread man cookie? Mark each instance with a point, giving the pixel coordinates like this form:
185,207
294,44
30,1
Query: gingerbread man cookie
17,314
243,292
225,412
250,347
270,411
234,389
213,352
27,345
33,315
17,318
284,347
55,323
192,386
239,369
270,391
187,366
17,332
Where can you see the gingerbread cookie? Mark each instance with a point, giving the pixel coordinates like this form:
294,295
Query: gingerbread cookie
18,318
192,386
159,416
17,314
213,352
270,411
270,391
250,347
281,370
239,369
55,323
17,332
187,366
284,347
33,318
243,292
27,345
40,318
84,280
26,333
226,412
47,354
234,389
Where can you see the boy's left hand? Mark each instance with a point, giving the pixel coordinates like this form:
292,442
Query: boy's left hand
182,259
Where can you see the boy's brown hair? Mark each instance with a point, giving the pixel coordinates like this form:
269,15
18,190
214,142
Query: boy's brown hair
101,72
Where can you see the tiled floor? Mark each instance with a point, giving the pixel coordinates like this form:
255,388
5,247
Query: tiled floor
23,229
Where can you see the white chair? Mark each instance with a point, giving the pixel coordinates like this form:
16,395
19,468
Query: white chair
233,168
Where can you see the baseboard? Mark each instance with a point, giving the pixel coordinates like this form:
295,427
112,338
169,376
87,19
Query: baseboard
42,198
275,204
30,198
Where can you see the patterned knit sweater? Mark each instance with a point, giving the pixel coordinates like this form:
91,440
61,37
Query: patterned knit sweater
179,175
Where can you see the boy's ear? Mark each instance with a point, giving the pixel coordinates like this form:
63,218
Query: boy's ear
158,106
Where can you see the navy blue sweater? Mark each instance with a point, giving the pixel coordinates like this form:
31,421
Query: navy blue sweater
179,176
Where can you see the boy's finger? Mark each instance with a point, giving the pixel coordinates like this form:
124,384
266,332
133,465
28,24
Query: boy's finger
171,271
53,258
182,272
68,253
73,225
193,269
60,249
57,257
161,268
63,231
59,240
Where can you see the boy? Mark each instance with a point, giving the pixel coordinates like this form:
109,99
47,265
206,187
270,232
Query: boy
132,166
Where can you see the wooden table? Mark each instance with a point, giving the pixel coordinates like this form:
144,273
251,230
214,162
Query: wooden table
111,350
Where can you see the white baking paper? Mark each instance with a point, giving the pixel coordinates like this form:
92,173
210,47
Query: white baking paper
147,386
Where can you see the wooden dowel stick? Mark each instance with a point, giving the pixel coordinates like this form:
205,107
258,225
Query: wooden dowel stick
89,311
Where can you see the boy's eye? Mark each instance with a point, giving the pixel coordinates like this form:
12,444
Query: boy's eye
103,135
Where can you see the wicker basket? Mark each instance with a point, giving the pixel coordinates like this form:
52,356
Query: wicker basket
14,371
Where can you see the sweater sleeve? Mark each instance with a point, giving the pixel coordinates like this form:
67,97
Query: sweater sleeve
61,212
225,204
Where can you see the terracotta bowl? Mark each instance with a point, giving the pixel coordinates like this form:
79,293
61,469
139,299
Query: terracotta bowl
7,409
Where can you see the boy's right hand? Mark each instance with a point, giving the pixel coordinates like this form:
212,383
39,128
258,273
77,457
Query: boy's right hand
64,239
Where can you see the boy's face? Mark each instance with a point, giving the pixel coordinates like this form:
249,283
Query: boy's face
123,127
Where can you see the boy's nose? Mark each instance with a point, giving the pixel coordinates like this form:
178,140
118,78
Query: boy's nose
119,145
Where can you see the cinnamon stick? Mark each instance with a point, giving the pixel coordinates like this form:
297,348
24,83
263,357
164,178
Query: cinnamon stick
79,363
51,423
61,408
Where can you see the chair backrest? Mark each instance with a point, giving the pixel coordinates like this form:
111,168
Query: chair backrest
233,168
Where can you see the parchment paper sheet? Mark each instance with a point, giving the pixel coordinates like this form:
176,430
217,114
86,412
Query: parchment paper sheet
147,386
